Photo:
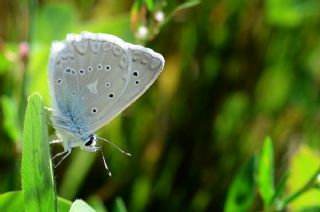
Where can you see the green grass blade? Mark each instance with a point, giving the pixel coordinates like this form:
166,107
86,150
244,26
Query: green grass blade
280,188
150,5
13,201
119,205
63,204
241,192
36,168
183,6
187,5
265,175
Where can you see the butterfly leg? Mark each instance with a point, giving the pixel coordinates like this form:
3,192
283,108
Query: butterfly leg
64,153
58,154
58,141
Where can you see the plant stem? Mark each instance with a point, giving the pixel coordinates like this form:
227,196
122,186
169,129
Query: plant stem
310,184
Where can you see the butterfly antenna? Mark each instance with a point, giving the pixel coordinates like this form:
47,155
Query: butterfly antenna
104,162
115,146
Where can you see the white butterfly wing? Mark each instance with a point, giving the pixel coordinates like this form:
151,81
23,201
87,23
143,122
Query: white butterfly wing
93,77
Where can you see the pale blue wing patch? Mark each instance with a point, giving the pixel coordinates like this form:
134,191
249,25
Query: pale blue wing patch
65,87
64,78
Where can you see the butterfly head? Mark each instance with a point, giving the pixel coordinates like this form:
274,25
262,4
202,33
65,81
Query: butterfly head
90,142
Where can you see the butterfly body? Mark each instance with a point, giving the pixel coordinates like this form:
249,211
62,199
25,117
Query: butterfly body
92,78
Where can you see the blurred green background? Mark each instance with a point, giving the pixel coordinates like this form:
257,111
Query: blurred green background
236,71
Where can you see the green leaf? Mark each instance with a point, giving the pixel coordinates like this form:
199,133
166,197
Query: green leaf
119,205
13,201
280,188
81,206
303,165
265,175
181,7
187,5
36,171
63,204
150,4
241,192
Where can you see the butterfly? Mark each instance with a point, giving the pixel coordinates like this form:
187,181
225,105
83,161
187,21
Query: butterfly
92,78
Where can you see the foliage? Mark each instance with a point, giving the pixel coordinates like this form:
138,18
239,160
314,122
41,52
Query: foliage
260,178
236,71
36,168
242,190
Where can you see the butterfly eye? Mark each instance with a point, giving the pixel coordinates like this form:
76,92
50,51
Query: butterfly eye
107,84
90,68
137,82
90,141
